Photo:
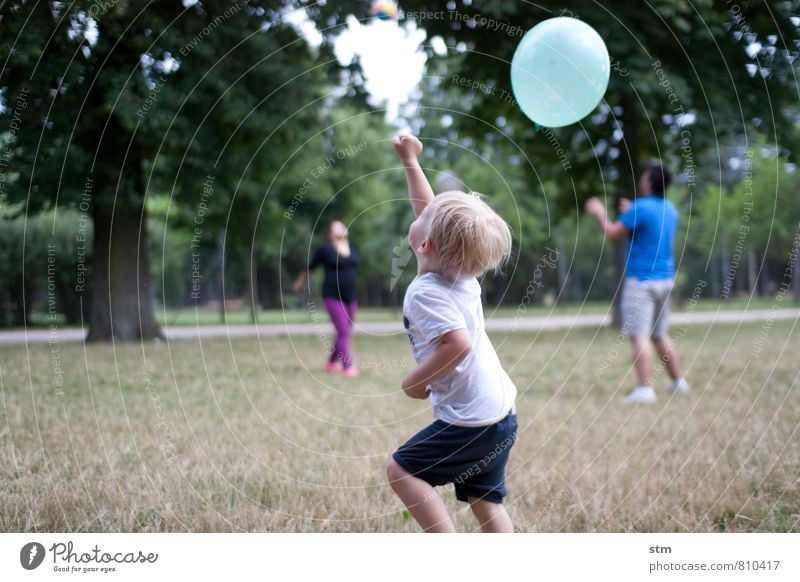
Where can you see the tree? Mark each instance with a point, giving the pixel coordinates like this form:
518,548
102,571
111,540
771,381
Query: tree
684,76
39,262
122,100
749,222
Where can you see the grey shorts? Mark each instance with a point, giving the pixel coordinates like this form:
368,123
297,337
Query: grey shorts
646,306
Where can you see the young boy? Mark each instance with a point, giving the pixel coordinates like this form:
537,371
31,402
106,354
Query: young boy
456,237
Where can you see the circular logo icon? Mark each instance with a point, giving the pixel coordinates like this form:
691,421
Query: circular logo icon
31,555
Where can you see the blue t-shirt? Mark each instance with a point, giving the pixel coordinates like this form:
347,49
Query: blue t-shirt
651,222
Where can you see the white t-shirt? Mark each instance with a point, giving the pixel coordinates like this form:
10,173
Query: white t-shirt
478,392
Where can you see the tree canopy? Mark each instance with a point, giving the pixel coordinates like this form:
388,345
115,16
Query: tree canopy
211,143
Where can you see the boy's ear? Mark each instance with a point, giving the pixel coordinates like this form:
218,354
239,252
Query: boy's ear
424,247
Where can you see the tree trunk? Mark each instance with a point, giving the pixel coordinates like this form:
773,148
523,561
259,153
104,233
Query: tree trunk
221,267
629,173
577,286
796,269
5,307
764,282
714,278
727,285
267,287
122,303
564,290
18,305
251,293
70,302
752,273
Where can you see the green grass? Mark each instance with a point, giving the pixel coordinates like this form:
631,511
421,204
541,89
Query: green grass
219,435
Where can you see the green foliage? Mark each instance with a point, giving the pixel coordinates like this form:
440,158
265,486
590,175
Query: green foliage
170,93
170,253
346,172
40,258
156,101
686,78
770,199
155,104
761,209
668,57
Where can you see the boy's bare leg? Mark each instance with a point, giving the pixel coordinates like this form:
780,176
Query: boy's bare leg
666,350
492,516
642,355
421,500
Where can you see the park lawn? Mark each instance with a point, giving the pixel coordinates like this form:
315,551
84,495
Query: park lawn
219,435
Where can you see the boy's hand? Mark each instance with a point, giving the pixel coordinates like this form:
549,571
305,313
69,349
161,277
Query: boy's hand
420,192
594,207
407,147
413,388
624,205
611,230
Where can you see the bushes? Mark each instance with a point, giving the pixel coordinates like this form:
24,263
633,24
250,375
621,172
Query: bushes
44,264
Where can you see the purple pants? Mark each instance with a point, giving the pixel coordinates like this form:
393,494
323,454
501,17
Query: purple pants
343,316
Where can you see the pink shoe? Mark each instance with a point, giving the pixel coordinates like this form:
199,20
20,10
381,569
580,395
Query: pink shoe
333,367
351,373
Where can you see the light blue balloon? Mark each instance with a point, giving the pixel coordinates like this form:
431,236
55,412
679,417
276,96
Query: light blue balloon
560,71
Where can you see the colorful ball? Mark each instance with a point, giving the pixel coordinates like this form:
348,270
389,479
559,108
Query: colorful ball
384,10
560,71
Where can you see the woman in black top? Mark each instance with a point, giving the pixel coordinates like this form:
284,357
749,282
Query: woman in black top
340,260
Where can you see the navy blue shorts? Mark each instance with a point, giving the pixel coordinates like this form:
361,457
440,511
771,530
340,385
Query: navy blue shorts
472,458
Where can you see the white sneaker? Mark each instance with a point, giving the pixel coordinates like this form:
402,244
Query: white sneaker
679,386
641,395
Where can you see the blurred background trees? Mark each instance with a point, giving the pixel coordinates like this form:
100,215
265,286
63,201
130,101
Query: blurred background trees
191,137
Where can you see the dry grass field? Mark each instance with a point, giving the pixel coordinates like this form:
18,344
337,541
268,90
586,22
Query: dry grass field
245,435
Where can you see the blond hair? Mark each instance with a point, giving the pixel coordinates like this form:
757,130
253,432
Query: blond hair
467,236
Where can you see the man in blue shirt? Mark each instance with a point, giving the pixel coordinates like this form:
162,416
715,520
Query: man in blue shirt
649,223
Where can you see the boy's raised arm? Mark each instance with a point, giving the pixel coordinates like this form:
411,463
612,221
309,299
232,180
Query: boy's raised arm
408,148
